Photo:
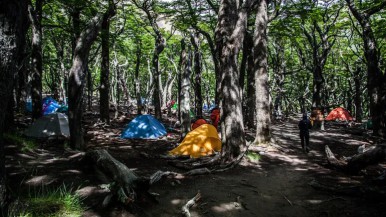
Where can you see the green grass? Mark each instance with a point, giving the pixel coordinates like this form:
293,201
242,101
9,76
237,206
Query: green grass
50,203
26,144
253,156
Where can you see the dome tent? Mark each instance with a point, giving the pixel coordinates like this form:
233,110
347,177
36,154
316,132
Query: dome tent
339,114
202,141
198,123
144,127
55,124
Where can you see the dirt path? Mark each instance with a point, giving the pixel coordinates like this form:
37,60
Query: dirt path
277,185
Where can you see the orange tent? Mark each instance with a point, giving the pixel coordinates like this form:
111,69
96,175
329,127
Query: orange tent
198,123
215,117
202,141
340,114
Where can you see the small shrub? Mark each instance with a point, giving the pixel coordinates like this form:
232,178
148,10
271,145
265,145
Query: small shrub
253,156
49,203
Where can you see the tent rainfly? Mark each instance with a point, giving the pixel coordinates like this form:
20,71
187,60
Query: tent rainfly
55,124
339,114
144,127
202,141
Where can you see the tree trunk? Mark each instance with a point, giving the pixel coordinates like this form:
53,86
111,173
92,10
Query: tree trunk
104,99
358,94
75,15
216,62
22,75
250,99
76,81
197,74
35,16
12,32
137,81
279,75
230,30
159,47
263,119
185,91
317,87
181,67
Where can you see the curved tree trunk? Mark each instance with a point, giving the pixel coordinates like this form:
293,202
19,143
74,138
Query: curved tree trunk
77,81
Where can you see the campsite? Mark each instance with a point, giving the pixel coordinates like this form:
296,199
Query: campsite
192,108
283,181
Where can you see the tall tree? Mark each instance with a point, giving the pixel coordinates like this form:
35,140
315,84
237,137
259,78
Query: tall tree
230,30
12,32
184,95
263,120
148,7
376,79
35,16
250,98
77,77
104,88
197,73
138,54
321,39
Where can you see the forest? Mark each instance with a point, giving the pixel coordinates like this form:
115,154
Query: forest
263,64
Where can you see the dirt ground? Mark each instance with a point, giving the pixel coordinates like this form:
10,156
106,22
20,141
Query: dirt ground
281,183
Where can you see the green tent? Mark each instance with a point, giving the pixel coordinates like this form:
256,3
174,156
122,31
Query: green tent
175,107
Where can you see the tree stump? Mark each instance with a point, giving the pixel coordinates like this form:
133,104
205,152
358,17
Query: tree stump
125,184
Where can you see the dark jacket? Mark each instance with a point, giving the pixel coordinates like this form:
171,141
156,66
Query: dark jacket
304,126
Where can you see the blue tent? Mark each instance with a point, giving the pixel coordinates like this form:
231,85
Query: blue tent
144,127
49,105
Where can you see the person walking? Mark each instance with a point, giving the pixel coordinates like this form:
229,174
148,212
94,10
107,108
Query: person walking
304,126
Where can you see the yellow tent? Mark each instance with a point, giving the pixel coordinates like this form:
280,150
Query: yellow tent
200,142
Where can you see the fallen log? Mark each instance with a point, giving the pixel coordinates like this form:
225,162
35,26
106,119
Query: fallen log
125,184
359,161
190,203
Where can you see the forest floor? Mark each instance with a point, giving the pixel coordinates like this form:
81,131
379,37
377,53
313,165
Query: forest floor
281,183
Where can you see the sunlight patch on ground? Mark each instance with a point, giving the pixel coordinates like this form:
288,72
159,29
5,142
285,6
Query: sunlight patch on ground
226,207
26,156
40,180
291,159
73,171
80,154
289,134
175,201
125,147
314,201
89,190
